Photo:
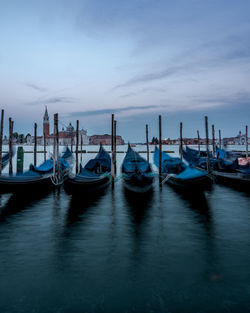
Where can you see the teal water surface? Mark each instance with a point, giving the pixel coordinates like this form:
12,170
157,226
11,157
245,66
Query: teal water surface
163,252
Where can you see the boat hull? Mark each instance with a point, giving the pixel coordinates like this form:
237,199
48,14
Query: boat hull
86,185
236,179
138,183
197,184
15,184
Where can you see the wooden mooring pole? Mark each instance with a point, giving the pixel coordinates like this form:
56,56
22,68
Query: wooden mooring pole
77,144
11,124
81,148
115,169
35,143
199,142
213,140
160,151
1,140
19,160
181,146
207,144
44,145
71,143
54,147
220,138
112,148
57,149
246,141
147,142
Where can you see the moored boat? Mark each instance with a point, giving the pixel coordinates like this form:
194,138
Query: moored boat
137,172
180,175
225,168
36,180
94,176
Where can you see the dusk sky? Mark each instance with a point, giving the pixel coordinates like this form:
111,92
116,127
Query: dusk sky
138,59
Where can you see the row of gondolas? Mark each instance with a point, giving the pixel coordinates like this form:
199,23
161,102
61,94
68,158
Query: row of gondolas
136,172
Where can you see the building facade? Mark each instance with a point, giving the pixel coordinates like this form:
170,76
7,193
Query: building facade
104,139
240,139
46,123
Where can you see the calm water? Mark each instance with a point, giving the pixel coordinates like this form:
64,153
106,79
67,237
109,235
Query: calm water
165,252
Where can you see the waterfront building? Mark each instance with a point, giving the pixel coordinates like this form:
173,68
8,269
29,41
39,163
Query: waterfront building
66,136
104,139
240,139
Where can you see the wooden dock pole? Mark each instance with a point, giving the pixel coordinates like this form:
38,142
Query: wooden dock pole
181,146
199,142
19,160
115,169
207,144
35,143
44,145
246,141
160,152
213,140
1,140
220,138
147,142
112,148
77,144
10,145
81,148
71,143
54,148
57,149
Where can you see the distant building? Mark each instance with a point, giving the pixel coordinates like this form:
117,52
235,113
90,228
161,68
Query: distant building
104,139
66,136
46,123
240,139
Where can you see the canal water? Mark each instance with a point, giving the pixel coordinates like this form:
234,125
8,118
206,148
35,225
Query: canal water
163,252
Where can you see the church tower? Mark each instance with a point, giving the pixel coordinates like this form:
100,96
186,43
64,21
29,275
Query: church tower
46,123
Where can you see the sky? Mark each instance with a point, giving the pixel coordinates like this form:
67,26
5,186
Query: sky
183,59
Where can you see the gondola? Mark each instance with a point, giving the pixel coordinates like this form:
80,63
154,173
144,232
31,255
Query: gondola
224,168
229,171
47,166
93,177
196,159
36,180
184,177
137,173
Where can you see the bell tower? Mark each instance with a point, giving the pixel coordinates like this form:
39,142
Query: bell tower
46,123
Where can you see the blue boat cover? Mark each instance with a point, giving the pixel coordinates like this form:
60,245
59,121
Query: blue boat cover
98,166
221,153
133,162
47,166
177,167
221,163
67,153
193,158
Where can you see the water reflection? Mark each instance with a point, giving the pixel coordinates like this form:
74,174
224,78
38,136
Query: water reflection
138,205
199,205
79,206
19,202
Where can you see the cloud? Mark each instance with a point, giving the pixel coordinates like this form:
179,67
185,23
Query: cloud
144,90
110,111
200,57
36,87
52,100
